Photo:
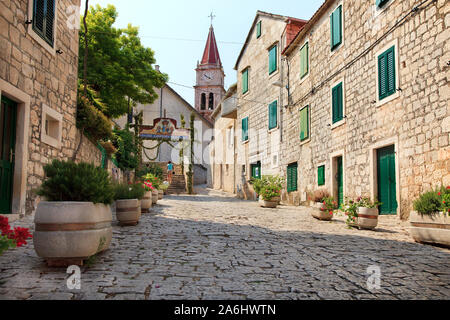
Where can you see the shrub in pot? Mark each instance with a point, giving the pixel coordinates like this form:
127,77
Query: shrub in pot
270,191
74,221
361,213
164,187
155,181
128,203
324,210
267,182
146,202
430,220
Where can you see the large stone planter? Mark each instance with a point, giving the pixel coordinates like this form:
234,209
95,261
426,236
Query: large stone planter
146,202
160,194
320,212
66,233
155,196
268,204
433,229
128,212
367,218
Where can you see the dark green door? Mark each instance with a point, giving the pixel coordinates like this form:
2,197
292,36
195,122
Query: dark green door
256,170
386,180
340,180
7,143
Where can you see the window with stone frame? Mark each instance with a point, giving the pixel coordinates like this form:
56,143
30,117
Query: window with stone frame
43,20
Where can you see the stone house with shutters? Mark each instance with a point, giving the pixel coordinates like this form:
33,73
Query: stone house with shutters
259,98
368,111
38,89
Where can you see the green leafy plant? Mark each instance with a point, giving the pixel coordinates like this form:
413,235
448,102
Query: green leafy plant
124,191
152,168
70,181
11,238
350,207
127,148
432,202
155,181
266,181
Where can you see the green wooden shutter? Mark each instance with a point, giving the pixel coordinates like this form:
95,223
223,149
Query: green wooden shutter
49,21
44,19
292,177
304,123
273,114
104,156
336,27
245,129
321,175
337,103
304,63
245,81
258,30
273,59
386,73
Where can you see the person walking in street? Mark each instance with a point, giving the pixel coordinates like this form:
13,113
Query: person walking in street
169,172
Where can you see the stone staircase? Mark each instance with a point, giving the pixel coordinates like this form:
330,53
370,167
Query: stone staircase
178,184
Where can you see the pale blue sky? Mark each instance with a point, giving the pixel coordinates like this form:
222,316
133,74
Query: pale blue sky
177,30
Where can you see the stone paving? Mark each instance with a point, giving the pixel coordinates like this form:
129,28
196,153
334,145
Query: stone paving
213,246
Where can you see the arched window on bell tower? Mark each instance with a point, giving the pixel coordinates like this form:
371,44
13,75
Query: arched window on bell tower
211,101
203,102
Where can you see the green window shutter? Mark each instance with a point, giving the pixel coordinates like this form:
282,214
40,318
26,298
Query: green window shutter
304,123
44,19
337,103
381,3
273,59
336,27
258,30
292,177
104,156
273,114
304,63
321,175
245,81
386,73
245,129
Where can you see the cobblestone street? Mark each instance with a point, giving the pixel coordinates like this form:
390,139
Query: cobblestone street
213,246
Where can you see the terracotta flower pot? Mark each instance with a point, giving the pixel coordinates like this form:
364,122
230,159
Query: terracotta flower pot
433,229
66,233
155,196
160,194
146,202
367,218
128,212
268,203
320,212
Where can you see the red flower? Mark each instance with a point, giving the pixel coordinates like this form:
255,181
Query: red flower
448,188
439,193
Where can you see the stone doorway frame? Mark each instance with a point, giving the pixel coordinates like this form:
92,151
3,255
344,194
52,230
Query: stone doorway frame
23,101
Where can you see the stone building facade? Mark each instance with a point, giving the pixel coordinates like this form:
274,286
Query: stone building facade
373,92
38,88
260,99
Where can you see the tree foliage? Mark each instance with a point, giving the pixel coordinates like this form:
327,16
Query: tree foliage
119,66
127,149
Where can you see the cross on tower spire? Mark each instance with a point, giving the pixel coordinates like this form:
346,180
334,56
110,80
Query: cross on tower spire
212,17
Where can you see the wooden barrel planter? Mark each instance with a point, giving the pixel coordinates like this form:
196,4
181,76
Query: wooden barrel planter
433,229
128,212
160,194
67,233
155,196
320,212
146,202
367,218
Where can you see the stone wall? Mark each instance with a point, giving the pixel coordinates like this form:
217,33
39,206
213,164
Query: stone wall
416,119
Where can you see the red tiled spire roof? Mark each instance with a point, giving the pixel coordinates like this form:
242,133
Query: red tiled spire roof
211,53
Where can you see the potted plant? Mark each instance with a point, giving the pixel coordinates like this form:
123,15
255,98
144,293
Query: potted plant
267,180
430,220
323,206
155,181
128,204
164,187
74,221
362,213
146,202
269,191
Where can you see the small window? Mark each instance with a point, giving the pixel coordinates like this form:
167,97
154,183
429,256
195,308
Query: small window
381,3
304,123
321,176
386,73
245,81
258,30
304,60
203,102
337,103
336,27
273,114
44,19
51,127
292,177
245,129
256,170
211,101
273,59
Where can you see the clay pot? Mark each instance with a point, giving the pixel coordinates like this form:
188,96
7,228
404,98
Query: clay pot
146,202
320,212
367,218
128,212
268,204
160,194
434,229
155,196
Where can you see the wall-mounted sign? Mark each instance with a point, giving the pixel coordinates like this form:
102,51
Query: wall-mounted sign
163,128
